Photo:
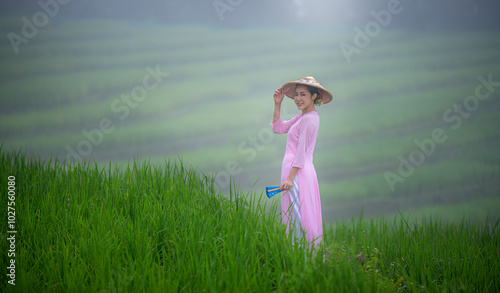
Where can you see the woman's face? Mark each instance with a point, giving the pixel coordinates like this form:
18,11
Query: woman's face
303,98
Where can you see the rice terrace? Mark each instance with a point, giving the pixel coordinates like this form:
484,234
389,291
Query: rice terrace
134,158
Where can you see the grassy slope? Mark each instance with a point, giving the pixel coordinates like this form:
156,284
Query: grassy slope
164,229
395,91
150,228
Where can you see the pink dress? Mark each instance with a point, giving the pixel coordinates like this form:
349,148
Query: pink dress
302,132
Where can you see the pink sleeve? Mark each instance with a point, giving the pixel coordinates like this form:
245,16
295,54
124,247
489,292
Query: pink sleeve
307,130
278,126
283,126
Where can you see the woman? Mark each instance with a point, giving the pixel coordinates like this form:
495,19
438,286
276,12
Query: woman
301,205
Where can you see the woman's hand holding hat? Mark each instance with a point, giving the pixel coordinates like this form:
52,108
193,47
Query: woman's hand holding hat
278,96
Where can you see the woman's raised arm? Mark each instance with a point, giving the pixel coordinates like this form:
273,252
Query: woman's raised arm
278,98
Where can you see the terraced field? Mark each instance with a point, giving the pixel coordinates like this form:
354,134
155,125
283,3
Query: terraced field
111,91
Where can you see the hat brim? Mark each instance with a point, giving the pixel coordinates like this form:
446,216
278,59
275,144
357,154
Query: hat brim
289,90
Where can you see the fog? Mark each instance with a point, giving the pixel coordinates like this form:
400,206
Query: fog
117,80
419,15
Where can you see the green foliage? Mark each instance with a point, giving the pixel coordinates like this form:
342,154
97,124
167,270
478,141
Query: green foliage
423,254
148,228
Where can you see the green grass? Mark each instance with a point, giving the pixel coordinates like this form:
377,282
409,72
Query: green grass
425,256
163,228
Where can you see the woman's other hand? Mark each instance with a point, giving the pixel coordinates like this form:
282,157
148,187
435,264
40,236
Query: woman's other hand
286,185
278,96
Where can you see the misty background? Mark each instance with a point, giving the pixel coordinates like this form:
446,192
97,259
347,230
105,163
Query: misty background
193,81
423,15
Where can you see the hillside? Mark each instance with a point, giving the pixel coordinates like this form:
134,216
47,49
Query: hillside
143,228
405,129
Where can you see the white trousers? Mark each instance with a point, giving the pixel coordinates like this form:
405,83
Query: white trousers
295,209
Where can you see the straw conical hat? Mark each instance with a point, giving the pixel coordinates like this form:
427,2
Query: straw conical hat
289,88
